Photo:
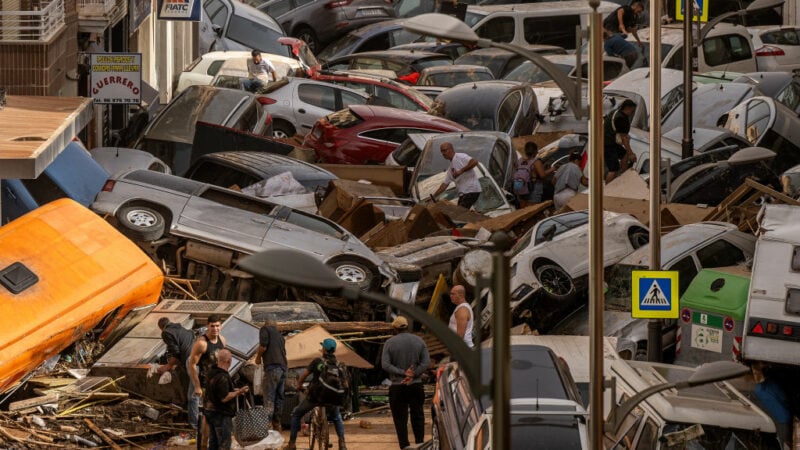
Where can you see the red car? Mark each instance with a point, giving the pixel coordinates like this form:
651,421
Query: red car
367,134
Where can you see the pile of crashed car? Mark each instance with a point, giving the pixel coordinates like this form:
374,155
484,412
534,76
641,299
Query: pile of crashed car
339,158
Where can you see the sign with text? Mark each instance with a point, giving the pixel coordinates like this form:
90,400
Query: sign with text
116,78
179,10
655,294
699,10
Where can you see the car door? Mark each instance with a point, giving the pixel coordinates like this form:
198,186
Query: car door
314,100
729,52
216,13
279,10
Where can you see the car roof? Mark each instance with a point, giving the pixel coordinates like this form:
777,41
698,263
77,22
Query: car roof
564,8
637,82
463,95
265,164
255,15
679,241
533,373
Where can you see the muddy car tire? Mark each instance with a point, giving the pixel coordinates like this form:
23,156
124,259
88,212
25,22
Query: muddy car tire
140,223
639,237
309,37
555,282
283,130
354,272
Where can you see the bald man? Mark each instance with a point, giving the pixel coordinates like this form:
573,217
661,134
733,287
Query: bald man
220,407
461,320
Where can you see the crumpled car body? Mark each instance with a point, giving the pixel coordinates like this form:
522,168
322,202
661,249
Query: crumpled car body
424,259
186,221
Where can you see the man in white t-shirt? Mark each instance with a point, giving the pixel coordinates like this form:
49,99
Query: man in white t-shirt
461,171
258,72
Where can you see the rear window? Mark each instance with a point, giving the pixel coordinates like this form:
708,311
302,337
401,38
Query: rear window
344,119
789,36
557,30
255,35
726,49
528,72
432,62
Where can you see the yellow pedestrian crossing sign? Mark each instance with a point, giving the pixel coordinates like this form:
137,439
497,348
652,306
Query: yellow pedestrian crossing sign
699,10
655,294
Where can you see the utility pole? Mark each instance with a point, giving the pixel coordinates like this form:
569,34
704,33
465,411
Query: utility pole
687,144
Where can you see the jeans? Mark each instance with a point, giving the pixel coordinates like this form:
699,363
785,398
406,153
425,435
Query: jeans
468,199
192,402
334,414
617,45
273,386
221,428
252,84
402,399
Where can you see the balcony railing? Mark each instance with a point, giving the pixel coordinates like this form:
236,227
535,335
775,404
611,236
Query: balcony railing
36,25
95,8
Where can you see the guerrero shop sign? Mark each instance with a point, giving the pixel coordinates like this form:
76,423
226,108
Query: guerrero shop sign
117,78
179,10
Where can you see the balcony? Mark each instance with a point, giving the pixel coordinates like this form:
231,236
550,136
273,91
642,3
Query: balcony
94,16
40,24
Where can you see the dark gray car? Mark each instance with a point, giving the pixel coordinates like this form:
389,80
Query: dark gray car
319,22
200,231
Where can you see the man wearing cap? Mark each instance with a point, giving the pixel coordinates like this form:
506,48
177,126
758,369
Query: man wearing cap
315,370
405,358
617,152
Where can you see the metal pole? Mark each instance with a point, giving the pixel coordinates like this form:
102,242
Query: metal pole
687,144
596,300
654,325
501,351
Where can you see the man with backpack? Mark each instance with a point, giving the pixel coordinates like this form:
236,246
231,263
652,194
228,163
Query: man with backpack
530,177
328,387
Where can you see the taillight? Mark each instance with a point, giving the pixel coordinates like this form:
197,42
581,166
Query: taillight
772,328
787,330
108,186
337,3
769,50
266,100
757,328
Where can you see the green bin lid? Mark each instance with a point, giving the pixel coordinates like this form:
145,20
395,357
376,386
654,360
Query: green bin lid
722,291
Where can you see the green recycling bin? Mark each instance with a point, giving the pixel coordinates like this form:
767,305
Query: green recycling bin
712,312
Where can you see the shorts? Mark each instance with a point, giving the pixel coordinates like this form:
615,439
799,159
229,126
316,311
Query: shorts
616,45
611,156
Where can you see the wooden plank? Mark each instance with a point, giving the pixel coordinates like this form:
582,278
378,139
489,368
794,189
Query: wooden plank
771,192
338,327
507,221
31,402
102,434
393,233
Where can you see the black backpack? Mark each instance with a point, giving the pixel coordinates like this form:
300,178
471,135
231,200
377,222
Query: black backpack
331,385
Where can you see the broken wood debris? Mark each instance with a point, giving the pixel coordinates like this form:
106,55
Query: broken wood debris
742,206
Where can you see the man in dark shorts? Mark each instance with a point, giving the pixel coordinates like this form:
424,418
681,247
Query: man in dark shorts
617,152
617,26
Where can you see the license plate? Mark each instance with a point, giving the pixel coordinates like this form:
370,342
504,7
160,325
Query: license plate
371,12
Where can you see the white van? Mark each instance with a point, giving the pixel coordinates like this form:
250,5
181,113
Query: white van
525,24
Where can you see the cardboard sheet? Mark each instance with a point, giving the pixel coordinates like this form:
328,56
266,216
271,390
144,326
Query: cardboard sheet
302,348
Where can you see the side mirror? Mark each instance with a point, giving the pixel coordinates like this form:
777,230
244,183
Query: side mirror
217,30
549,232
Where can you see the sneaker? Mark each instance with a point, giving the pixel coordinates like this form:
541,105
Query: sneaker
290,446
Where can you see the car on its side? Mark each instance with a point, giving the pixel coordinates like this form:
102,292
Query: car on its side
363,134
385,91
777,47
196,226
494,105
377,36
72,174
233,25
552,254
406,64
117,159
203,69
319,22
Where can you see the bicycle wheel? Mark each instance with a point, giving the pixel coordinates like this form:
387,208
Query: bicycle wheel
318,430
324,439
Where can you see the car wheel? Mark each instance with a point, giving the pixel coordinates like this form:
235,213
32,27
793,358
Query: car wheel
354,272
555,281
435,444
140,223
308,36
638,237
282,129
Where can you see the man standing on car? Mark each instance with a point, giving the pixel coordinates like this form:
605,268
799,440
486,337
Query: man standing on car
258,67
461,172
616,27
461,321
179,342
315,369
220,407
272,352
405,358
204,357
617,152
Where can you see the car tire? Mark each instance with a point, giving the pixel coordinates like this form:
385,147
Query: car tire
282,129
354,272
435,437
140,223
309,37
641,352
638,237
556,283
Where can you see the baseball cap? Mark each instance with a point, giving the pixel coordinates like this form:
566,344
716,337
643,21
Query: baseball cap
329,345
400,323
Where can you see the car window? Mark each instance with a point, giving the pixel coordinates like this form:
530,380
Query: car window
278,8
720,254
627,431
497,165
401,69
378,42
217,12
157,167
786,36
508,112
611,70
675,61
790,96
255,35
212,173
647,438
562,223
555,30
350,98
498,29
366,63
758,115
401,36
394,135
317,95
213,68
671,100
43,189
395,98
726,49
686,272
193,64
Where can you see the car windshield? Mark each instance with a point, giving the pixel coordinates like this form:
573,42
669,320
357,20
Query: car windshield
489,200
710,437
562,223
528,72
450,79
538,431
433,62
618,293
255,35
474,119
471,18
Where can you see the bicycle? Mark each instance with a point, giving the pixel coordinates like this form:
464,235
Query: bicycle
319,433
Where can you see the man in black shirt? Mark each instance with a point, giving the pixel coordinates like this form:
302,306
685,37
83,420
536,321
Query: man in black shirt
617,152
179,342
220,407
616,26
272,352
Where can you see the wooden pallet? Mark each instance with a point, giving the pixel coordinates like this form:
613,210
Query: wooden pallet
741,206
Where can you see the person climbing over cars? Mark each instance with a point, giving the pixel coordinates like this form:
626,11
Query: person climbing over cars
617,26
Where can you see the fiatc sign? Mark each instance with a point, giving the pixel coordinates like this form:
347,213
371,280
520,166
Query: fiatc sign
179,10
117,78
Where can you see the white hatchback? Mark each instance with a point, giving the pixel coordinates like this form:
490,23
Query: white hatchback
203,69
777,48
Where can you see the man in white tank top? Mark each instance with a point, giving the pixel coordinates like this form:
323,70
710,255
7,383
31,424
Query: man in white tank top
461,319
